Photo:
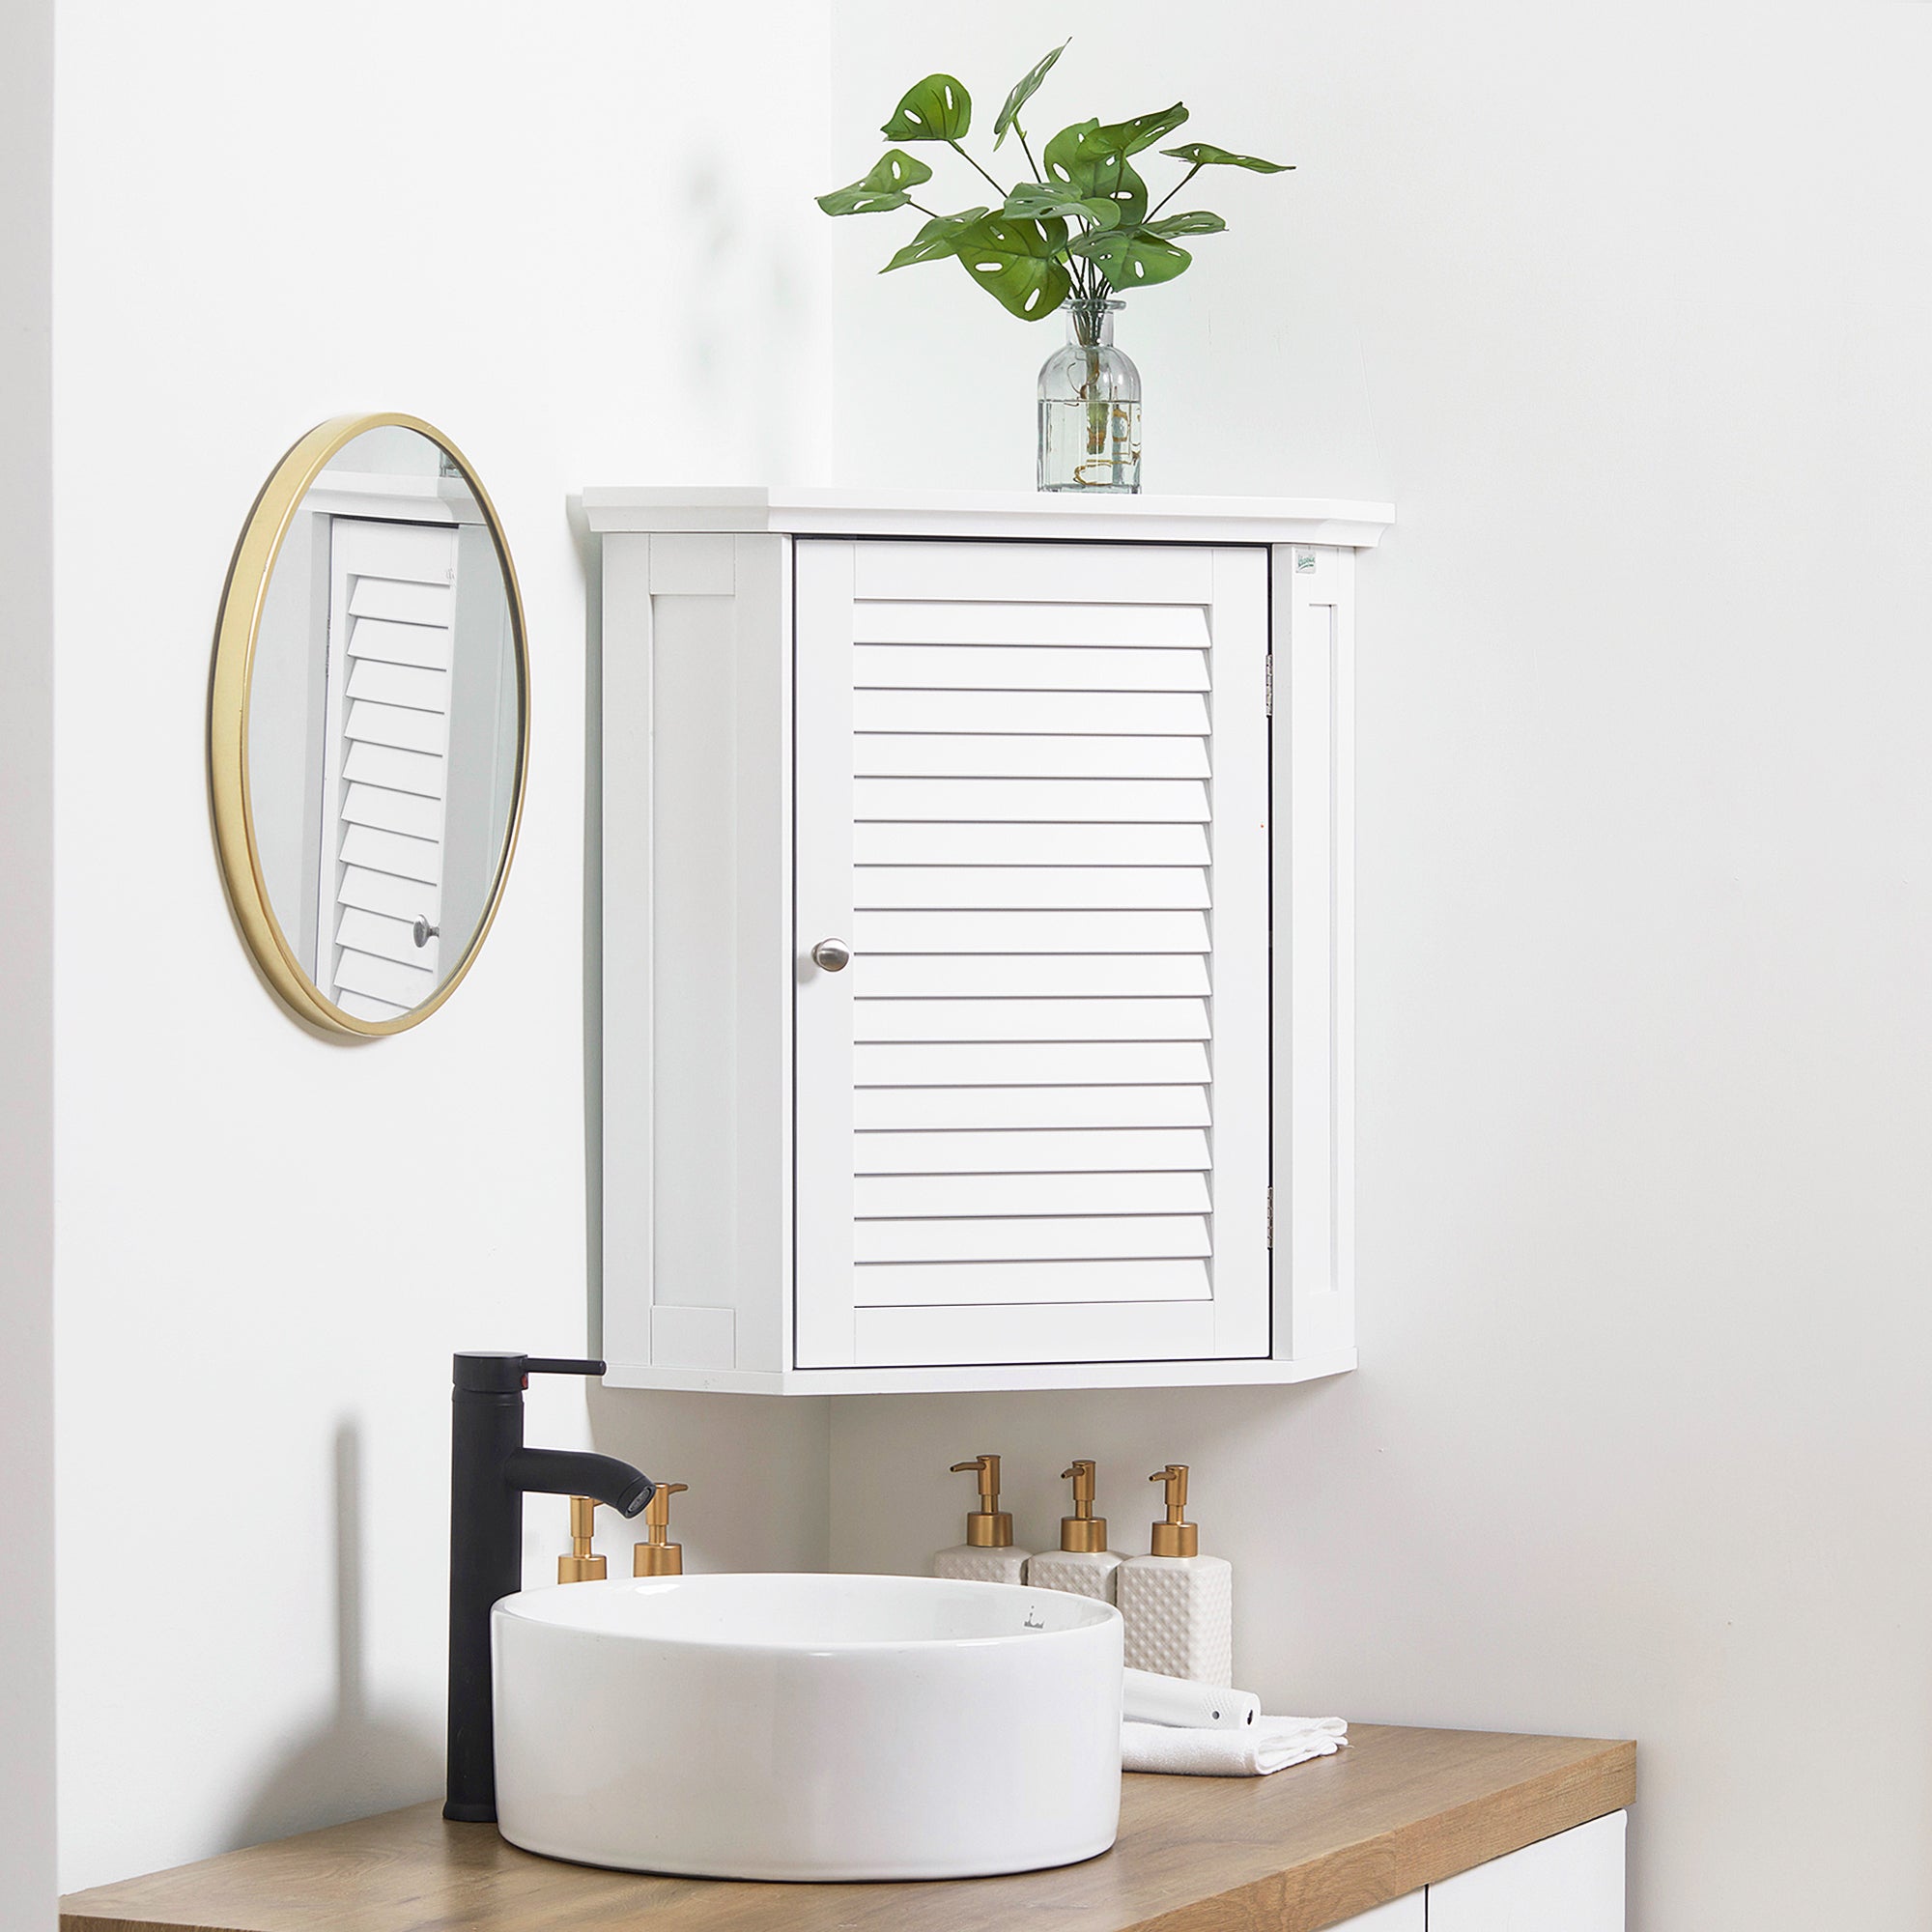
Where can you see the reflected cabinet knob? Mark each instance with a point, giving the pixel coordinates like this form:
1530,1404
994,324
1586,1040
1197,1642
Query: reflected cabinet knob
832,954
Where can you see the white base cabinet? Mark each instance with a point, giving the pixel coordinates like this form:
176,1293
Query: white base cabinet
1570,1882
1399,1915
976,929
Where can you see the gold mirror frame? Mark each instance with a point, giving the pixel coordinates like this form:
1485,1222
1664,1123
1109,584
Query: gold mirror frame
237,632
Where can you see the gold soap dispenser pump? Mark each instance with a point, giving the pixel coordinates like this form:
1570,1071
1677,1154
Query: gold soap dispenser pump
988,1555
1178,1605
1083,1566
582,1565
657,1556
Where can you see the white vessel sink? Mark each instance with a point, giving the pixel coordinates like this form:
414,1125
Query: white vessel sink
807,1727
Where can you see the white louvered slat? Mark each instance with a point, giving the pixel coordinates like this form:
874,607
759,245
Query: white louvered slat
1035,800
386,937
1024,668
1025,888
933,975
408,685
930,1107
904,1286
948,1196
406,603
384,979
1028,1019
1160,714
419,772
938,754
393,724
1031,844
1115,1150
404,811
1096,1063
392,852
1034,849
1030,932
1035,1238
427,645
398,896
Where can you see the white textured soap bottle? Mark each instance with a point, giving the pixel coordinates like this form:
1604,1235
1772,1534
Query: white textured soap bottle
1083,1566
1179,1605
988,1555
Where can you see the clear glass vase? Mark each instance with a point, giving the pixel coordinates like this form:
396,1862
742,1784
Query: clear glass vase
1090,406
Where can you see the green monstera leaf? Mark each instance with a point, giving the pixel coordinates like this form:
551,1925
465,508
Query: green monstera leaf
1199,222
1015,261
882,189
1202,155
1144,130
1132,258
1023,92
1040,199
937,108
936,241
1090,163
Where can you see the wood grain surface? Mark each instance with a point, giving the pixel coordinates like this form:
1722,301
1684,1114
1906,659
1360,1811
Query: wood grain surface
1304,1848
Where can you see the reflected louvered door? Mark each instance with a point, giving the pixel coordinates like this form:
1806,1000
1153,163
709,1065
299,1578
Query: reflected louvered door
1032,1116
392,604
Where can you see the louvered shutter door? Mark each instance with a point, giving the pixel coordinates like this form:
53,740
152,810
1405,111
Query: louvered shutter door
1032,792
392,602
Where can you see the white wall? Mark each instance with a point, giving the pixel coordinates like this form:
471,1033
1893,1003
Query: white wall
1625,308
1628,309
572,238
26,972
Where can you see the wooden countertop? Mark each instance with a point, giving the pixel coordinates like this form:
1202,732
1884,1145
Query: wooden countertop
1304,1848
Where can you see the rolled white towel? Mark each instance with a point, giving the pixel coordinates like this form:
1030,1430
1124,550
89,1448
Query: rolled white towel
1269,1744
1149,1699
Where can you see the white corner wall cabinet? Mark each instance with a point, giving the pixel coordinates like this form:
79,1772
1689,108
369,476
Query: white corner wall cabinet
976,908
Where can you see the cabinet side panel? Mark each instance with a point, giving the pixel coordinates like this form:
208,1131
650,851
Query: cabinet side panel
694,958
1313,960
626,922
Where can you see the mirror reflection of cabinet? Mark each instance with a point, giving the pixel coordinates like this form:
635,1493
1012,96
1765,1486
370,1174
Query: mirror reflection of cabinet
946,1043
367,723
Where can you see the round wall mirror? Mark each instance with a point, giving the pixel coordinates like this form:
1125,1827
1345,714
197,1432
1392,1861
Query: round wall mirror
368,722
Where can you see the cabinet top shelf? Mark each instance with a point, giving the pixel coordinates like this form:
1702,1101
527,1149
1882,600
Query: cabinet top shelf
989,513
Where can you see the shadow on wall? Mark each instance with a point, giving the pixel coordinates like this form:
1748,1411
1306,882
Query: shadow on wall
356,1762
757,1466
743,351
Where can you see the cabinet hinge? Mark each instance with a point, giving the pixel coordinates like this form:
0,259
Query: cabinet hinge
1271,1217
1267,683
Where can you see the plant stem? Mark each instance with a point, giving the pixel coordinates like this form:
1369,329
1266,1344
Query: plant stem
1028,153
922,209
1175,190
972,164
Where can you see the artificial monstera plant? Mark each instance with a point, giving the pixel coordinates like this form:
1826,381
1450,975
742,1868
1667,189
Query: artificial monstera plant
1082,227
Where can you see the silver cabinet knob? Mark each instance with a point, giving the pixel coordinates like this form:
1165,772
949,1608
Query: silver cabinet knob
422,931
834,955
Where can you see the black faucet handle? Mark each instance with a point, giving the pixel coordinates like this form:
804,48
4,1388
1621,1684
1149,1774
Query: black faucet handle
506,1374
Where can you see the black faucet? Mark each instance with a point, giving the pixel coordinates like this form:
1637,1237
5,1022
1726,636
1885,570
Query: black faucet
489,1471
